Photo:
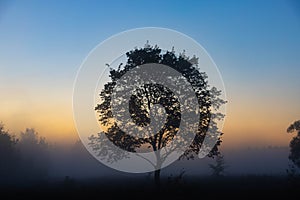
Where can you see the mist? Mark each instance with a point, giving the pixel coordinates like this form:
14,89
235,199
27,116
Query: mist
33,159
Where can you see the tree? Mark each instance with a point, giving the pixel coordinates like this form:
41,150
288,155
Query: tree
144,99
295,143
8,154
219,167
35,155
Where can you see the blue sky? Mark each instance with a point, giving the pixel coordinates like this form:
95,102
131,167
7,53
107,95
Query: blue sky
253,36
255,44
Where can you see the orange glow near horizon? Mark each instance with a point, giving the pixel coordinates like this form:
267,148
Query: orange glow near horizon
49,113
258,122
249,121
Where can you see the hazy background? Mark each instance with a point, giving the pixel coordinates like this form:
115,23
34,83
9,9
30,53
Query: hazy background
255,44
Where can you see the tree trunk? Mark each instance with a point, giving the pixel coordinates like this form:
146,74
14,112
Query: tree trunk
157,179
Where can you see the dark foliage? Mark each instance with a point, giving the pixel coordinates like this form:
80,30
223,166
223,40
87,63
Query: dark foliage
295,143
8,154
150,94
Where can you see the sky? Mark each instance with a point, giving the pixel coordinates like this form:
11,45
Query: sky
255,44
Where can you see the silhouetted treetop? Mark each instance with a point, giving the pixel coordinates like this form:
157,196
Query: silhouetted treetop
294,127
295,143
149,94
7,141
8,155
208,98
34,153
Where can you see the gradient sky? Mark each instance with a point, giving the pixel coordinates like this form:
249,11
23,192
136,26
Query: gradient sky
255,44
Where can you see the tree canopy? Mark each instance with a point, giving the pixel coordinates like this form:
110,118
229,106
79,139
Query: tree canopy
8,153
147,95
295,143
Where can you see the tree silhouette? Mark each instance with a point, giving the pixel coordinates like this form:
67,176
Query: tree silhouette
295,143
143,101
8,154
219,167
35,155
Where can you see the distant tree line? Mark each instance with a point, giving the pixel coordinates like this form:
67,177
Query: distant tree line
23,159
28,156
